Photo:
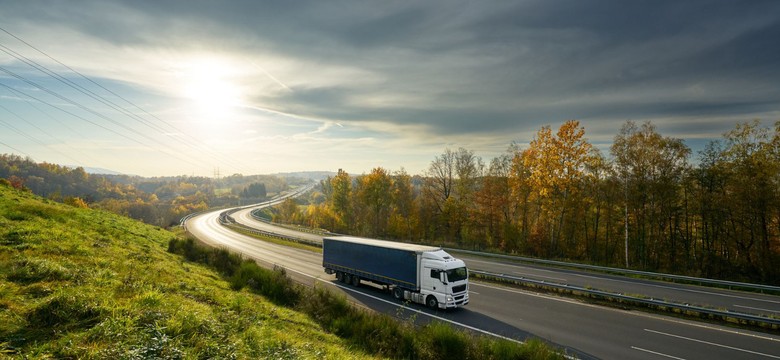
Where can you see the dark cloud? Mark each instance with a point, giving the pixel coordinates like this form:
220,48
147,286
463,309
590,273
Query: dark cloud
484,67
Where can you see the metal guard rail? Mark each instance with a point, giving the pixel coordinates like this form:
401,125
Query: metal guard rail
769,321
226,220
725,283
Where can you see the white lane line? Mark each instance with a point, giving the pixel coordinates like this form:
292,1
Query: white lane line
511,265
473,292
657,353
539,276
414,310
755,308
714,344
681,289
634,313
634,283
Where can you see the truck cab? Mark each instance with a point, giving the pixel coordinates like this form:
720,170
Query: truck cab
443,280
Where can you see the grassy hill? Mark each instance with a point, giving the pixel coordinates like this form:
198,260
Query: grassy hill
87,284
79,283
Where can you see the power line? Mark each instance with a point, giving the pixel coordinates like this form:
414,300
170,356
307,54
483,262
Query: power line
95,113
193,143
92,122
30,137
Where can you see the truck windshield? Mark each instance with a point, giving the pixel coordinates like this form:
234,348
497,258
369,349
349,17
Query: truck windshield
457,274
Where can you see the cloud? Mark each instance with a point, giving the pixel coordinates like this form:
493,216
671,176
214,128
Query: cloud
440,72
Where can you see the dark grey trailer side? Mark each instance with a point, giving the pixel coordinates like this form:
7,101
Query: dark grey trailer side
378,264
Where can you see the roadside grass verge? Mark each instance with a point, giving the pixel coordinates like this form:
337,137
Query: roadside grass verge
373,333
85,284
274,239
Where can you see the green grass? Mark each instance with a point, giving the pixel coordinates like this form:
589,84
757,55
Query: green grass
85,284
79,283
371,332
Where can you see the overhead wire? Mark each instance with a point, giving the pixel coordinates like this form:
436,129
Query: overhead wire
96,123
43,131
30,137
188,140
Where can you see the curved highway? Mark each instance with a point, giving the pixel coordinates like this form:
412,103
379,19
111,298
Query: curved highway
735,301
587,331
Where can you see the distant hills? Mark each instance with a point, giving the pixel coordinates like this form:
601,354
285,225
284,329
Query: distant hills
98,171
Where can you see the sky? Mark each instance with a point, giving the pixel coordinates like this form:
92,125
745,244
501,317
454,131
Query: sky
202,88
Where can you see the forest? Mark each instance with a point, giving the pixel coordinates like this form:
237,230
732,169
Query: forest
160,201
648,204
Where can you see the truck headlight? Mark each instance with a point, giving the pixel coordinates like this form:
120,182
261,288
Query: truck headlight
449,299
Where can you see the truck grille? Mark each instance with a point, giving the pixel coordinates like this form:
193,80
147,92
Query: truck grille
459,288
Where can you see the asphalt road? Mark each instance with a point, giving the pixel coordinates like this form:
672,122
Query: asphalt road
735,301
587,331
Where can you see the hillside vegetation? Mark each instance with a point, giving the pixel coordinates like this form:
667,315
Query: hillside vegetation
88,284
80,283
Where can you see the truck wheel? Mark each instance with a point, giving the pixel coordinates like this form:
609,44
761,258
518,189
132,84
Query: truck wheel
432,302
398,293
340,276
355,280
347,278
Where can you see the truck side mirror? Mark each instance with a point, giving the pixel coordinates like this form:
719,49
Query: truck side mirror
443,277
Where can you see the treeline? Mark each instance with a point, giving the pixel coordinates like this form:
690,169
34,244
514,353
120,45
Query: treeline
160,201
646,206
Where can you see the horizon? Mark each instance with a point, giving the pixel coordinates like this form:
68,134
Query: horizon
181,88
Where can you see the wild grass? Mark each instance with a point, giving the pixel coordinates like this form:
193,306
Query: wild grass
374,333
84,284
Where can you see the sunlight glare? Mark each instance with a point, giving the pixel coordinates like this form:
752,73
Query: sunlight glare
211,86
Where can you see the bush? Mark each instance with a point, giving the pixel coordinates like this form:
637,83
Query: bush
378,334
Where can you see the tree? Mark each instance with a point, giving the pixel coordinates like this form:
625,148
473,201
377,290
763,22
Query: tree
374,194
494,205
341,197
451,182
401,221
652,168
555,168
254,191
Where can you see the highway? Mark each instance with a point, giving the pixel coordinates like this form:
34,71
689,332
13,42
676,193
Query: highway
735,301
586,331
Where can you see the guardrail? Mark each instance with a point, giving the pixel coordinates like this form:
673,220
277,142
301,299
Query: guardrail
653,275
226,220
724,315
756,320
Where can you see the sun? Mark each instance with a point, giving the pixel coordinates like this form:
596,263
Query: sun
212,88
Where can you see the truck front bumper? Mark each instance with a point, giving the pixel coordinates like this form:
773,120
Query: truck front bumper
456,301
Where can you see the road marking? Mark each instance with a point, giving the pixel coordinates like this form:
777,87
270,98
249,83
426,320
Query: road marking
634,313
657,353
541,276
680,289
473,292
754,308
713,344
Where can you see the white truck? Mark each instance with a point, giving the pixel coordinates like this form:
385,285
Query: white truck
422,274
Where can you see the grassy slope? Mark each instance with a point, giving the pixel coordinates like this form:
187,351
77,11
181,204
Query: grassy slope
89,284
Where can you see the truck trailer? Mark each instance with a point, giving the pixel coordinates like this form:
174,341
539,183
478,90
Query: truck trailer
422,274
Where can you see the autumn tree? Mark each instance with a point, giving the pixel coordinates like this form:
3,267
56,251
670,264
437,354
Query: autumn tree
374,196
556,167
495,207
341,199
449,189
652,168
401,222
